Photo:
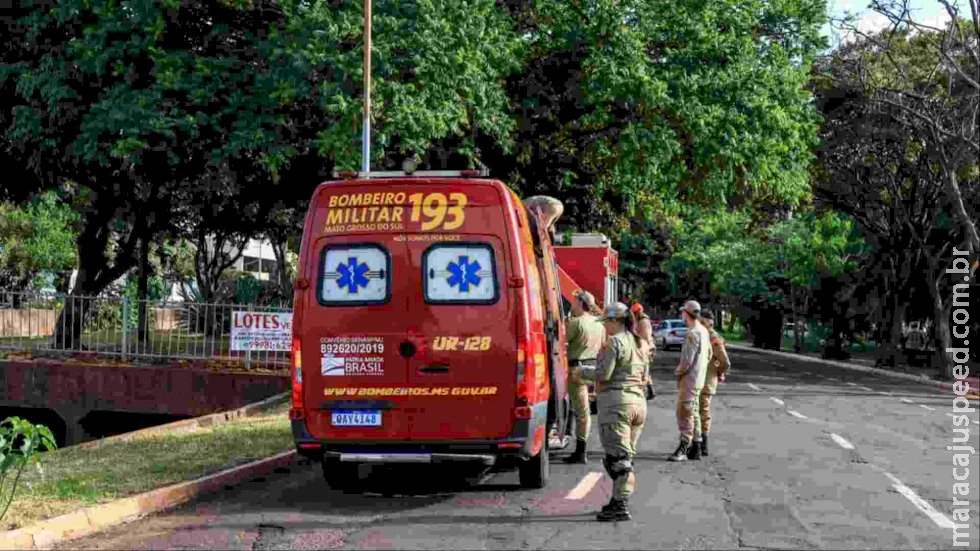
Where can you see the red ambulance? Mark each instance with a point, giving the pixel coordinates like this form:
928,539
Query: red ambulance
427,327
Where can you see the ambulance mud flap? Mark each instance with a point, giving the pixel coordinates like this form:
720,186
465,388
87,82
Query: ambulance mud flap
302,436
525,429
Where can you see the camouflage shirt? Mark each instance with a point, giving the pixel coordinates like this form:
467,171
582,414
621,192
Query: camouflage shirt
695,357
621,373
585,336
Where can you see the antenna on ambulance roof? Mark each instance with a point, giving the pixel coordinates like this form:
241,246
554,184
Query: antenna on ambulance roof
366,123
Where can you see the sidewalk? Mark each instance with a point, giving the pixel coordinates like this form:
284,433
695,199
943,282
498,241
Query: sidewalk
859,365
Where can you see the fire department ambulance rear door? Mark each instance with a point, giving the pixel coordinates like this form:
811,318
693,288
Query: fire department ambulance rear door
357,322
465,311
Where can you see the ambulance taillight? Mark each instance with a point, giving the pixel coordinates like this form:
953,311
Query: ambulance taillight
522,410
296,412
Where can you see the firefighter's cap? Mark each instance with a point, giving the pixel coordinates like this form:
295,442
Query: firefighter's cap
692,307
616,310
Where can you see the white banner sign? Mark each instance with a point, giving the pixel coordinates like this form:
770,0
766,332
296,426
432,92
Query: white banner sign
261,331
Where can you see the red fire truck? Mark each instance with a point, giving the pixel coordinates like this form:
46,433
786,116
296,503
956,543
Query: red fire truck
589,262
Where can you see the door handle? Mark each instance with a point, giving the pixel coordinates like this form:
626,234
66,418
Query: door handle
435,368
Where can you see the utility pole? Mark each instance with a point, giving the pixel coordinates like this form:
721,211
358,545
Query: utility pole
366,124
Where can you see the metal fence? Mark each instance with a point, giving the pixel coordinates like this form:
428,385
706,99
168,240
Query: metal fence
60,325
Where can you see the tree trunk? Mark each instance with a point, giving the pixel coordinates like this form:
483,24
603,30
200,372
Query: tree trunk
91,261
943,339
796,320
891,314
894,338
284,282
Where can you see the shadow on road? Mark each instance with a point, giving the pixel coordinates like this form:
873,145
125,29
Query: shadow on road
414,486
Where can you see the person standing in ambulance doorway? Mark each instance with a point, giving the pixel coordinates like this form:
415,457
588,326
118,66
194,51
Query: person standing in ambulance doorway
717,370
585,336
691,372
622,406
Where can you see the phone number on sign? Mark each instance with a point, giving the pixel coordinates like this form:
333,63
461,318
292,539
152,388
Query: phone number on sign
352,348
277,346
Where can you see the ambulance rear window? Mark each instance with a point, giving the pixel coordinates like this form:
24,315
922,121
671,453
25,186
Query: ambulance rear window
460,273
352,275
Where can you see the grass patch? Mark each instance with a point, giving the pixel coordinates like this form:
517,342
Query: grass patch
75,477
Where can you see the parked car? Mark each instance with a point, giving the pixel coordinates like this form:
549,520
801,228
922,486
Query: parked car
670,333
915,337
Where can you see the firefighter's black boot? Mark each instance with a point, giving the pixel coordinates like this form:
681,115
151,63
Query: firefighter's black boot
681,453
609,506
616,511
694,452
704,445
578,456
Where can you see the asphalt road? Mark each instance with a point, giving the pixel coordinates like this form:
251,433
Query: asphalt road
802,456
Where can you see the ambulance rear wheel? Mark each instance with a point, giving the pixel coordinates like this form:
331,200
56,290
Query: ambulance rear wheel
338,475
535,471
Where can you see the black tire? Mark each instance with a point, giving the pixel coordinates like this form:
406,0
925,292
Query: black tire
534,472
340,476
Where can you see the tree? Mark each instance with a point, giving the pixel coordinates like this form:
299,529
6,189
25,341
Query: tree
925,78
148,105
889,161
653,105
35,238
811,246
753,266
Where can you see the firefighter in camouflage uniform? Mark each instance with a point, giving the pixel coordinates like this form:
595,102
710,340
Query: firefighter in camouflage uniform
622,406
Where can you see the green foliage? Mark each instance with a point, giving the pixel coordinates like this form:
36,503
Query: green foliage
20,443
37,236
746,263
247,289
437,71
689,102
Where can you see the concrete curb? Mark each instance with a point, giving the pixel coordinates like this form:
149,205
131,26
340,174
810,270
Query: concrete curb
91,520
854,367
187,425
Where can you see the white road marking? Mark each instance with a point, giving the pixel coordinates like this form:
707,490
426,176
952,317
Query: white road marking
927,407
754,387
831,378
807,373
884,393
797,414
907,401
950,415
584,486
940,519
851,384
976,422
841,442
778,401
866,389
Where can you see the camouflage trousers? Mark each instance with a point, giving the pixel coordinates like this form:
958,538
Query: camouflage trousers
619,430
704,403
688,412
578,392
